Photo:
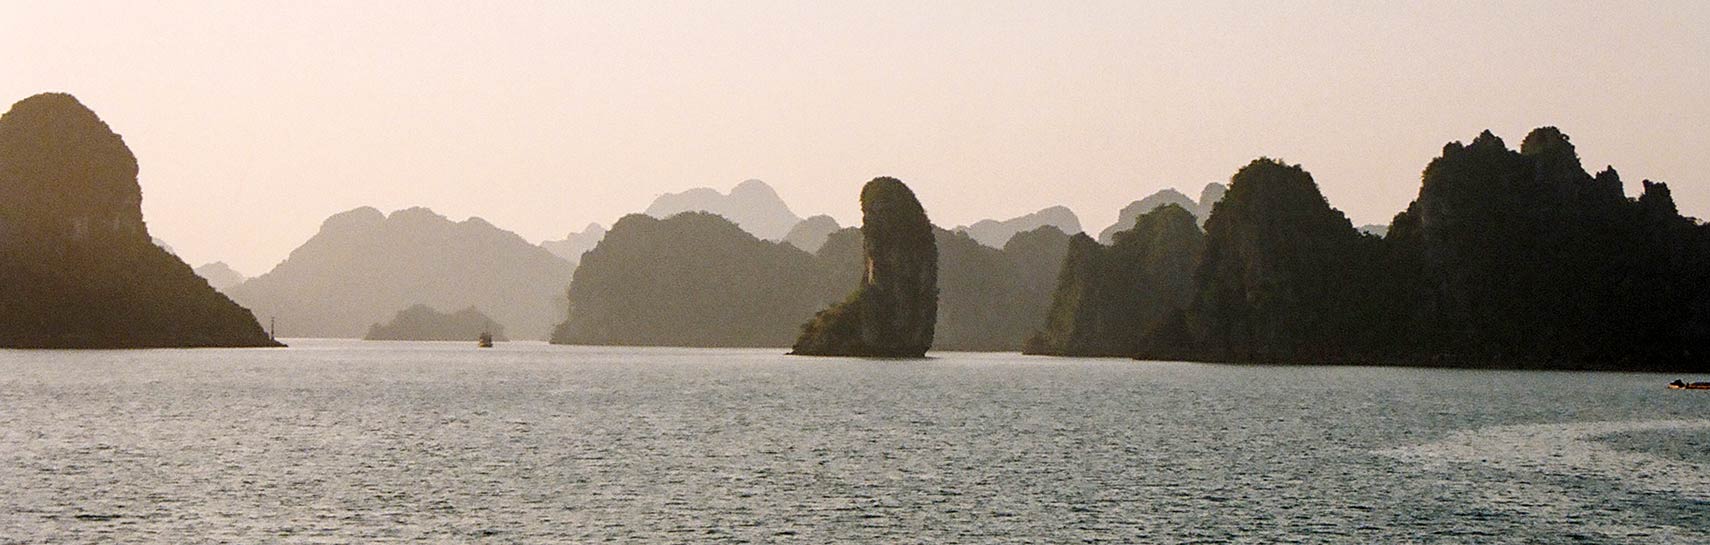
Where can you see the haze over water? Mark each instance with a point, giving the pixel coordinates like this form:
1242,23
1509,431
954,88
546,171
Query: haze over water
545,116
346,441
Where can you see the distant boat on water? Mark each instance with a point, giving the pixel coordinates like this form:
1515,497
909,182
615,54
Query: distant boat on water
1680,385
485,340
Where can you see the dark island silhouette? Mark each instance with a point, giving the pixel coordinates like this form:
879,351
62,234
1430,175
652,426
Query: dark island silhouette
362,266
693,279
895,308
1108,297
78,268
1507,258
423,323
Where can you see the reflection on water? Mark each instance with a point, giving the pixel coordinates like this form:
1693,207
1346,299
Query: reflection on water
333,441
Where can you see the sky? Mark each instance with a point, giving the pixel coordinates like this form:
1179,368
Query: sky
254,121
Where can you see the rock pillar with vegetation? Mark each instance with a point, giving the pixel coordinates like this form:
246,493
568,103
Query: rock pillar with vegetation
893,312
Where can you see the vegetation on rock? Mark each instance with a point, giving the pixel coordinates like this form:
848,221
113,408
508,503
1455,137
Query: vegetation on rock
78,268
895,310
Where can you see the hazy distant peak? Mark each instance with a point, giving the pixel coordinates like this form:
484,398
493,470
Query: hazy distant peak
752,205
996,233
573,245
477,221
1201,209
357,218
753,188
416,213
810,233
220,275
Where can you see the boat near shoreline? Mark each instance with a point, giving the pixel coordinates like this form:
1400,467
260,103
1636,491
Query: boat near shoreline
1683,385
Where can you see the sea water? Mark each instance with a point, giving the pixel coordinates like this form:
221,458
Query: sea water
377,442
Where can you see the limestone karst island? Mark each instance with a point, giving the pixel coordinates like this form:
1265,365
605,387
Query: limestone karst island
78,268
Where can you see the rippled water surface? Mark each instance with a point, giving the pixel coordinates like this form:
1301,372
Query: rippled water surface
339,442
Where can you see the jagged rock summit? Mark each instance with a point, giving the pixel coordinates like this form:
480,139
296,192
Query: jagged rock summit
752,205
78,268
893,312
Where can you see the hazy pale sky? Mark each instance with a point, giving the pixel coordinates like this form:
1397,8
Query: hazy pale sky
253,121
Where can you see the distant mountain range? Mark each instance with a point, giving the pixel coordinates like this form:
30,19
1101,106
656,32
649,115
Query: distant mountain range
996,233
364,266
752,205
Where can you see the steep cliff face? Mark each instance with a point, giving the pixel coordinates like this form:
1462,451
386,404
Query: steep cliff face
1282,273
894,311
78,268
1109,297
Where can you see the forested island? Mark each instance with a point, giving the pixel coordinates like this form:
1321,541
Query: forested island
78,268
1507,258
424,323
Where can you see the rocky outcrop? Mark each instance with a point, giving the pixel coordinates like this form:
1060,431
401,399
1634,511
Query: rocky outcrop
996,234
894,311
810,234
752,204
363,265
78,268
423,323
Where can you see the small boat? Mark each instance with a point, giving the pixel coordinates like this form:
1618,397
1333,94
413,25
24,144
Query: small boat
485,340
1680,385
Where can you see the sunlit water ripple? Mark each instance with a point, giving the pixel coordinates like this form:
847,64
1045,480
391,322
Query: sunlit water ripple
338,442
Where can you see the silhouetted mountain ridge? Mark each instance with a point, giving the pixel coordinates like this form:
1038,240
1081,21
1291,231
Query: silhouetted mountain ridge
78,268
752,205
364,265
